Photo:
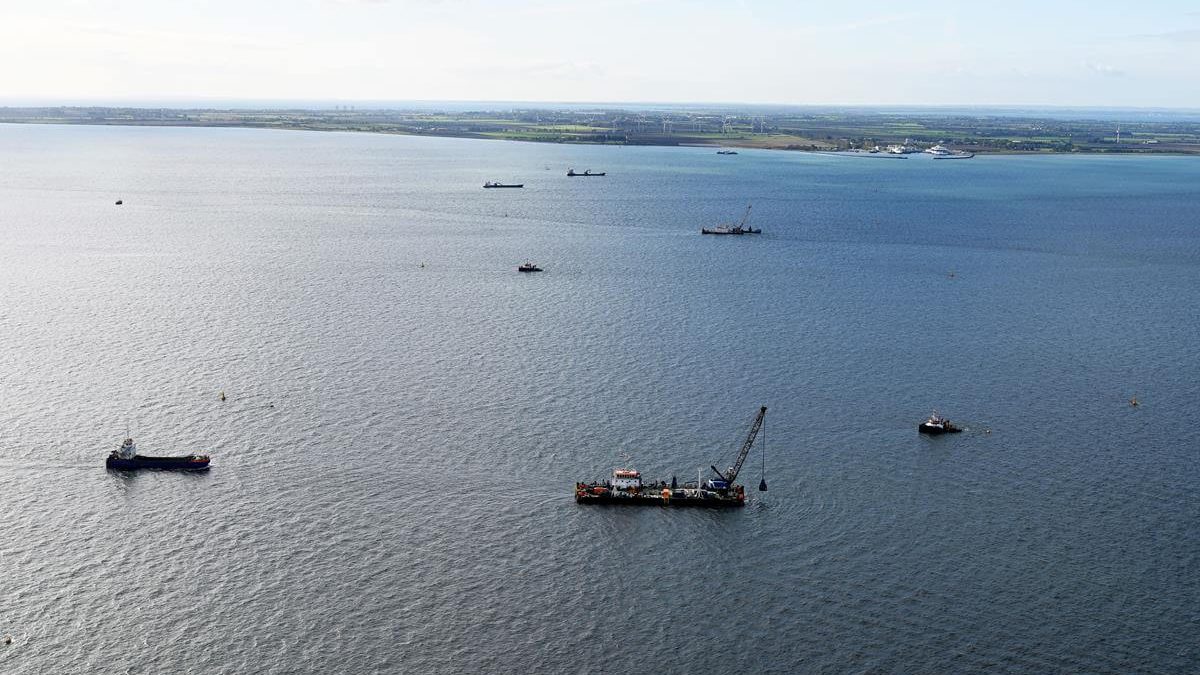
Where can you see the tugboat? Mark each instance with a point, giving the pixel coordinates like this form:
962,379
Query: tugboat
936,424
626,486
740,228
528,267
127,459
586,173
494,184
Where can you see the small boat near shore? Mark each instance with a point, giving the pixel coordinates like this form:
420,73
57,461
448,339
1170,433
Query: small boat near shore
936,424
493,184
727,152
942,152
126,458
587,173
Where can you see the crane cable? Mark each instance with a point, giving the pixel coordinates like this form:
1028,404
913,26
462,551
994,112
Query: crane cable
762,484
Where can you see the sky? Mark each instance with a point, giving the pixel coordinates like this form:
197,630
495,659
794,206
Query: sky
916,52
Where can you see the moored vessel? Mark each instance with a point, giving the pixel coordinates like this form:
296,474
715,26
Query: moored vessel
126,458
627,487
942,152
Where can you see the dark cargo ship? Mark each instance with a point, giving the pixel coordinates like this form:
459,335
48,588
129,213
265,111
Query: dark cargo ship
626,486
126,459
587,173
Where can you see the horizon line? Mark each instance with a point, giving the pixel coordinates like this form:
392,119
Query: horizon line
230,102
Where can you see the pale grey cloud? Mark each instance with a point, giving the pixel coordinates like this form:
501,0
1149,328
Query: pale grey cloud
1103,69
1182,35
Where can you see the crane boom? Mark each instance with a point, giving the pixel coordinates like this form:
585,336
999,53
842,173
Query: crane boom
746,445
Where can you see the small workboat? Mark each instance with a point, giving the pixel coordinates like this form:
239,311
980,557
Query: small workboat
120,202
528,267
936,424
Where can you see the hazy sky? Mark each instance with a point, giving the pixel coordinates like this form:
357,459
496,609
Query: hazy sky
849,52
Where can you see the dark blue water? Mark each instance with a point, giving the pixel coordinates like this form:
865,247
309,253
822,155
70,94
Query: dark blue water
392,468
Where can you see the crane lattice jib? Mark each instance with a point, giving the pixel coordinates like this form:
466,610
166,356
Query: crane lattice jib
749,443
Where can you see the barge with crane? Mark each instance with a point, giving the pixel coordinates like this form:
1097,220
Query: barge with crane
627,487
740,228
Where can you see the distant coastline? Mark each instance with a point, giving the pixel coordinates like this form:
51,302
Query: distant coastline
806,130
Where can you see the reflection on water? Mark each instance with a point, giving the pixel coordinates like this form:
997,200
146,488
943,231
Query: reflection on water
406,414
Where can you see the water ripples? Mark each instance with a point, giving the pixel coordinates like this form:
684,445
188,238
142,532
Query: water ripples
392,464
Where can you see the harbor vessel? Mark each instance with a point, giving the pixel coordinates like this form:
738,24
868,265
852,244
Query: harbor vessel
493,184
936,424
942,152
727,152
126,458
587,173
627,487
528,267
740,228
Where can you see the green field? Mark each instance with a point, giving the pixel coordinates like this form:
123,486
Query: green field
675,126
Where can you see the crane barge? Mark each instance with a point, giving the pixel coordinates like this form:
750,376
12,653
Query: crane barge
627,487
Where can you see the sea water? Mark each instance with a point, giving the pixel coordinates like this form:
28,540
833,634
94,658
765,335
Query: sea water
405,414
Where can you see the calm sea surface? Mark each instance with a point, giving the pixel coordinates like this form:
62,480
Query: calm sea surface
393,465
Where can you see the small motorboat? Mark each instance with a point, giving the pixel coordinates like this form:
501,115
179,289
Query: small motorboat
936,424
120,202
528,267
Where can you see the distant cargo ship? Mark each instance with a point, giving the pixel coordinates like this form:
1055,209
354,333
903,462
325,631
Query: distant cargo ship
727,152
586,173
492,184
126,459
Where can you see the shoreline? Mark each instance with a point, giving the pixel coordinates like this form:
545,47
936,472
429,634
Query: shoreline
1184,138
